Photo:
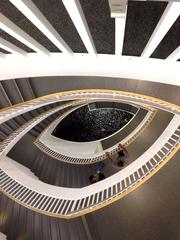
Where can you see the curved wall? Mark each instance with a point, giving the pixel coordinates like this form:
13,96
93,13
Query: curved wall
47,85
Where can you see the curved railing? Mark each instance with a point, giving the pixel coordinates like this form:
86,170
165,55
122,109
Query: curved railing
68,203
16,110
57,154
130,108
12,139
65,202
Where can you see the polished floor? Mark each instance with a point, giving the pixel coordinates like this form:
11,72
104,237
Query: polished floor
84,125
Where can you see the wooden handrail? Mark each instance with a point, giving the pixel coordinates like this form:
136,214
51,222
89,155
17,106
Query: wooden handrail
18,109
69,203
98,157
49,199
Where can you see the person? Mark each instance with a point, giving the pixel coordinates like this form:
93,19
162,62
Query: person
98,176
94,178
118,160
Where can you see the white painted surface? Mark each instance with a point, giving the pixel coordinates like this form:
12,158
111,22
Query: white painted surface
76,14
10,167
12,29
25,170
11,47
168,18
119,34
155,70
29,9
11,140
2,55
68,148
175,55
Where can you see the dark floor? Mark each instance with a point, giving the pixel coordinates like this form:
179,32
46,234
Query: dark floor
151,212
83,125
145,140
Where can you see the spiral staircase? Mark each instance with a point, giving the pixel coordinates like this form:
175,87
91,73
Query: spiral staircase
57,56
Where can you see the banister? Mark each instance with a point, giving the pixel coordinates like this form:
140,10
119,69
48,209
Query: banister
106,188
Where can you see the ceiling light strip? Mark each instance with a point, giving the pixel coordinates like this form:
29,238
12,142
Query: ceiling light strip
169,16
118,10
175,55
11,47
119,34
29,9
75,11
12,29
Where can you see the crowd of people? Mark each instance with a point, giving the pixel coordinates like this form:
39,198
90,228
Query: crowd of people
118,161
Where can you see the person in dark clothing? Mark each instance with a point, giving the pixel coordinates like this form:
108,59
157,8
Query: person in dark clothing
98,176
94,178
118,160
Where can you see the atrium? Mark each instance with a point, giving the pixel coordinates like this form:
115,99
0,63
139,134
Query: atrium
79,79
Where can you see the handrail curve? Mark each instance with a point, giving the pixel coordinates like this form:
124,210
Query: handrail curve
98,156
18,109
68,203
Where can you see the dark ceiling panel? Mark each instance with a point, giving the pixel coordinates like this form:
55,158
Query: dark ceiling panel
21,21
14,41
100,23
57,15
142,18
3,51
169,43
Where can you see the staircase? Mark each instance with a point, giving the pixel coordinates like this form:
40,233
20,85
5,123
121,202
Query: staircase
58,173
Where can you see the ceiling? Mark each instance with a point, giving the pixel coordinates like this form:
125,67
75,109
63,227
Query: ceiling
142,18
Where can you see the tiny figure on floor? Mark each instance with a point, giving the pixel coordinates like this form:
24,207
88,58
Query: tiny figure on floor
118,160
98,176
